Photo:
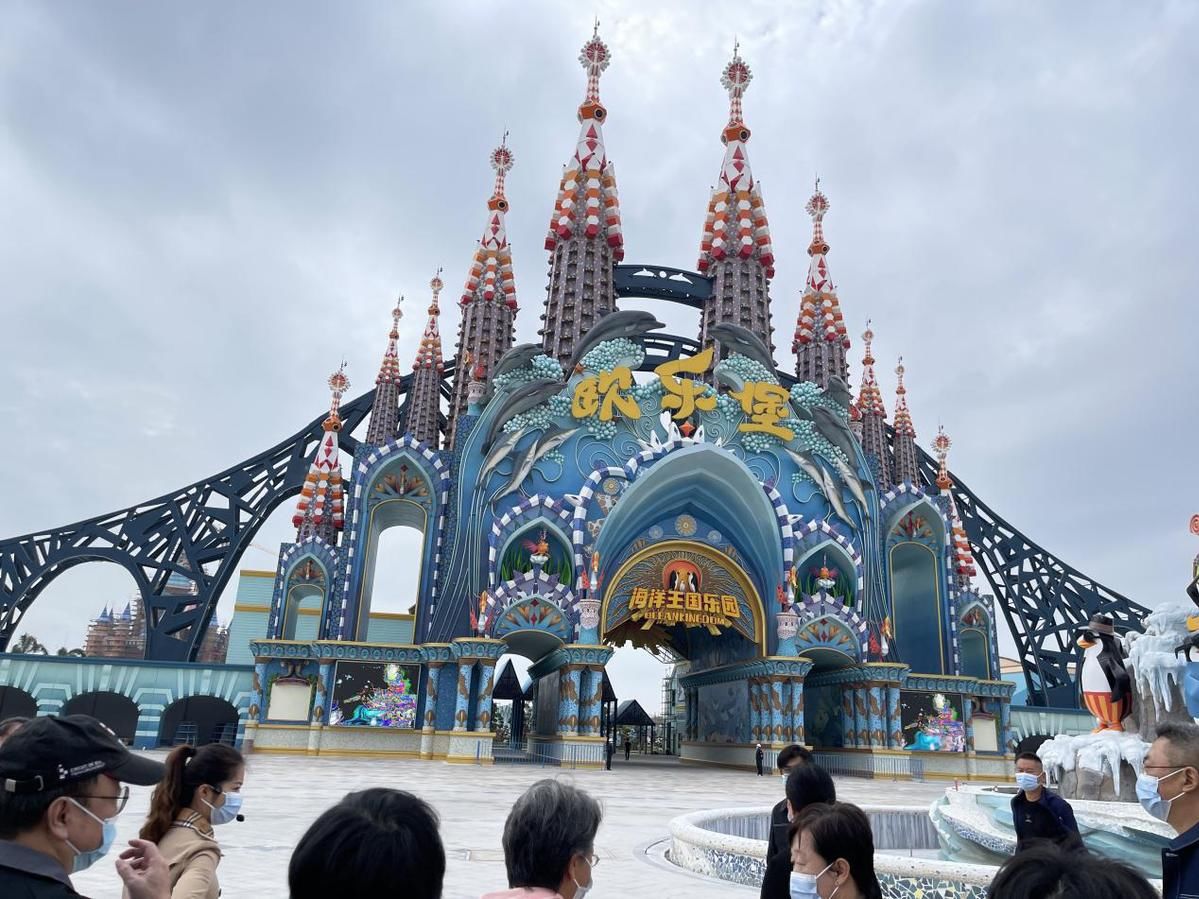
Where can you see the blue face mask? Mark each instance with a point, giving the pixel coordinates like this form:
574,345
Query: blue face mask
1027,782
108,826
803,886
1151,799
223,814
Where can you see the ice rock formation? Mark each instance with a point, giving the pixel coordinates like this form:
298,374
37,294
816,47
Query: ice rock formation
1157,673
1101,766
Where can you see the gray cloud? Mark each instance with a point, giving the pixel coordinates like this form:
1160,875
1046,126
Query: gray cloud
208,208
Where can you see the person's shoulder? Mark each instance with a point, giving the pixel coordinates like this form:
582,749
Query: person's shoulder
1053,799
16,884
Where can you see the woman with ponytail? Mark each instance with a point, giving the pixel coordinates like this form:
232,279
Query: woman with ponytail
202,788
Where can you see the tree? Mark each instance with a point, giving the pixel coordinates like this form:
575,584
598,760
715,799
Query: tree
29,645
76,652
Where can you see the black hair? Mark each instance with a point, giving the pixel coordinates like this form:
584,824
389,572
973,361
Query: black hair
842,830
548,826
376,842
1069,872
791,753
188,769
9,725
1183,737
806,785
21,812
1030,757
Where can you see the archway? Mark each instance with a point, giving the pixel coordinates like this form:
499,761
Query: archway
303,600
198,720
74,597
915,542
831,556
119,713
974,653
16,703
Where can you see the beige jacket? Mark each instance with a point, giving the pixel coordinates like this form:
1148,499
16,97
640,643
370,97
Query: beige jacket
193,856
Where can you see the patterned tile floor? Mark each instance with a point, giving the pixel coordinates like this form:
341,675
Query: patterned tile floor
283,795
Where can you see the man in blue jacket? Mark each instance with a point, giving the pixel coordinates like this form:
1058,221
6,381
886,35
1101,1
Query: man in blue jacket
1037,812
1169,790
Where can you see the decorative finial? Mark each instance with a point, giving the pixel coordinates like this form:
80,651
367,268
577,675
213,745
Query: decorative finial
594,57
339,383
899,370
396,314
735,79
436,284
502,160
941,445
867,337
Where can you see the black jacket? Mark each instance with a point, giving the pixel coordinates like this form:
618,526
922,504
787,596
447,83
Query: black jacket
27,874
1180,866
777,882
1049,818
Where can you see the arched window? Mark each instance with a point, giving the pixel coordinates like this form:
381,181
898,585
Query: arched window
914,544
974,654
303,598
198,720
119,713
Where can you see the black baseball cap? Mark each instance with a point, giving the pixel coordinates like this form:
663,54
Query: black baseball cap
51,752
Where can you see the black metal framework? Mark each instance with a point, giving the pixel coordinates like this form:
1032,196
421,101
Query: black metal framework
201,532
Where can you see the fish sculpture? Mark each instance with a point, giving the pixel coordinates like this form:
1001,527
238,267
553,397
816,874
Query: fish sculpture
516,358
737,339
522,399
546,443
629,323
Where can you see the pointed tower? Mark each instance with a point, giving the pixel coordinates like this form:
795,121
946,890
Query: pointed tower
874,417
488,301
905,467
735,250
963,557
820,336
584,240
423,409
385,412
321,508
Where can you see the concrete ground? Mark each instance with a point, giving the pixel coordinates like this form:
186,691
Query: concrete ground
283,795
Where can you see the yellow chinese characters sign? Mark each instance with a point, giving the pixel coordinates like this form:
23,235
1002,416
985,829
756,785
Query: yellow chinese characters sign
710,610
609,392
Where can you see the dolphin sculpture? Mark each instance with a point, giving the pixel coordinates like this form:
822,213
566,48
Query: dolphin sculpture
854,483
629,323
838,391
833,428
824,483
499,450
517,357
737,339
547,442
522,399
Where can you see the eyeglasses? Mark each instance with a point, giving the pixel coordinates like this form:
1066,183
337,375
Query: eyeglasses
591,860
120,799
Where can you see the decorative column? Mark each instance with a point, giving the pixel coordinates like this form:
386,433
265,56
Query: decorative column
462,700
324,683
968,721
483,708
876,703
861,717
569,677
788,626
1005,726
895,738
693,705
849,732
589,617
775,695
592,699
797,723
433,673
256,711
758,713
788,716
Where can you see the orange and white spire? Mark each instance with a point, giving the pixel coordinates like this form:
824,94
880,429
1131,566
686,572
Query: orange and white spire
906,467
821,339
490,277
736,224
428,355
385,410
423,418
870,398
963,556
873,417
588,204
321,509
903,418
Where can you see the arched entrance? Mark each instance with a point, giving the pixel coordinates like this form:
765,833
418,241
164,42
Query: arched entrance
119,713
198,720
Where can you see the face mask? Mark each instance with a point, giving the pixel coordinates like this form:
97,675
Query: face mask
223,814
1151,800
84,860
803,886
580,890
1027,782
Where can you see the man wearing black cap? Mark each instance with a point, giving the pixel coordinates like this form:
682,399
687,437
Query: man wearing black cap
60,791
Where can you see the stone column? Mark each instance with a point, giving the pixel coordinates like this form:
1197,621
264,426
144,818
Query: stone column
788,716
876,704
968,721
462,700
775,688
797,724
1005,726
486,682
757,711
861,718
592,699
894,724
433,670
568,700
849,733
324,684
695,713
255,712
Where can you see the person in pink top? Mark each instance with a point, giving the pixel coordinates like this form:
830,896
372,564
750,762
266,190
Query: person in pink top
549,843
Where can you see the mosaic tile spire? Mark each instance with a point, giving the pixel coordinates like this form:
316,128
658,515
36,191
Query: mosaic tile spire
963,557
423,409
584,240
385,411
488,302
906,468
735,250
874,416
821,340
321,509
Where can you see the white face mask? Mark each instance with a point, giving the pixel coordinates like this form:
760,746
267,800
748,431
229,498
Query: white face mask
803,886
580,890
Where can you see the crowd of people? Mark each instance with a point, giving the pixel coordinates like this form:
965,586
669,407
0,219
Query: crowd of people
64,780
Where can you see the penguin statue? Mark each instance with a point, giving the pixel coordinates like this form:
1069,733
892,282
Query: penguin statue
1106,686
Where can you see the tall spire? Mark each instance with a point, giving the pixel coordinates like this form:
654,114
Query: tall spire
735,250
320,511
820,336
385,412
963,556
905,468
584,239
486,329
874,417
423,419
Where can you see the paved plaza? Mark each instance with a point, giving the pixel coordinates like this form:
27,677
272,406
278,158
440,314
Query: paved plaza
283,795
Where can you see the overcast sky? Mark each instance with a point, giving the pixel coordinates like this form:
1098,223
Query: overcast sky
206,207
